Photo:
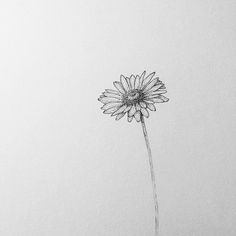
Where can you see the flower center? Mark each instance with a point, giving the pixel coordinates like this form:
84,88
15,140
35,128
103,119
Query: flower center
132,97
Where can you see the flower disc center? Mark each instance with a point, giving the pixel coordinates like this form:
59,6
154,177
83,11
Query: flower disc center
133,95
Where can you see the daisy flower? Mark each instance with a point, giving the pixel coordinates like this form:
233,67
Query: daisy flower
134,95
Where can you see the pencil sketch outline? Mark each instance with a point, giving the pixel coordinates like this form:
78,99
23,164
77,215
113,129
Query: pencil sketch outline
135,95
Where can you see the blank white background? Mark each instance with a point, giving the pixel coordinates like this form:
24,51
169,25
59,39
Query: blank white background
68,170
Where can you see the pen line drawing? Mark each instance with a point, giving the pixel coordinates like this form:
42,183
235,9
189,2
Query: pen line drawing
135,95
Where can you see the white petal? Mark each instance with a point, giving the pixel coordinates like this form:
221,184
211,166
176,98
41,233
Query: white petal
110,105
163,86
158,92
156,96
145,112
156,87
121,109
132,110
142,78
119,116
150,97
156,100
119,87
143,104
127,108
112,95
146,100
151,107
130,118
137,116
136,82
112,91
132,80
110,110
138,107
108,99
165,99
148,79
124,83
159,99
150,85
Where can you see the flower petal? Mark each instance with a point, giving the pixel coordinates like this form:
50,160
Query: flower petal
112,91
146,100
132,110
124,83
155,87
145,112
159,99
150,85
110,110
138,107
130,118
137,116
158,92
156,100
110,105
108,99
132,80
151,107
153,96
136,82
148,79
119,87
143,104
127,108
112,95
121,109
119,116
165,99
163,86
142,78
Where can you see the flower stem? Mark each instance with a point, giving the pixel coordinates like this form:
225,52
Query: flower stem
154,188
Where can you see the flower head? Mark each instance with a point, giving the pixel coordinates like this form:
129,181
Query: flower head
134,95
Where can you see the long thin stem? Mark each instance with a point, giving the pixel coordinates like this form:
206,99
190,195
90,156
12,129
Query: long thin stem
154,188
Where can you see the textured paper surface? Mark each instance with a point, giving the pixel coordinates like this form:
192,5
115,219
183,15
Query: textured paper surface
66,169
